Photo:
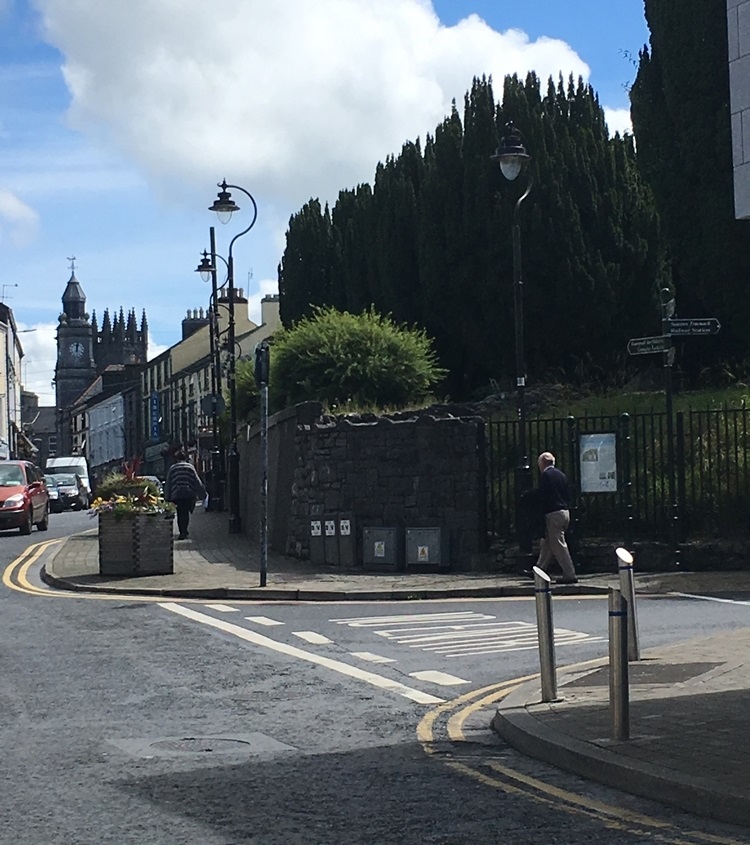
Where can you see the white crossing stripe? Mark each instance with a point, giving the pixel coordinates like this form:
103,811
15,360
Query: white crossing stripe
263,620
373,658
377,621
442,678
339,666
223,608
312,637
461,634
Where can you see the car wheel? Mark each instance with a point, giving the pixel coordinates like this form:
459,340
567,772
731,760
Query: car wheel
27,523
44,524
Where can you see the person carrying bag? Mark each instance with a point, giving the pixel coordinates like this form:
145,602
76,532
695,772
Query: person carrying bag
183,486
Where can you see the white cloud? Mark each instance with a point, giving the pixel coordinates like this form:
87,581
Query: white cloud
39,358
18,221
618,120
281,97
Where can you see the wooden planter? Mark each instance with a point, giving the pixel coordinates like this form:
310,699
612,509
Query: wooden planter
136,544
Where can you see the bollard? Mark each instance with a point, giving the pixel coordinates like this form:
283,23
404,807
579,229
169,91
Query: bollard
546,634
619,704
627,588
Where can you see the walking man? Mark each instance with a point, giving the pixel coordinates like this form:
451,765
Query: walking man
554,493
183,486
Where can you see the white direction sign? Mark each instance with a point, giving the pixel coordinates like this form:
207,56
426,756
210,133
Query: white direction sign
647,345
696,325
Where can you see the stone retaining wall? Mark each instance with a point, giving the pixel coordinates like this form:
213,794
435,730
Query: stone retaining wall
410,470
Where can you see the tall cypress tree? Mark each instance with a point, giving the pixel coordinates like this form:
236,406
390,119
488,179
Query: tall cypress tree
431,242
681,119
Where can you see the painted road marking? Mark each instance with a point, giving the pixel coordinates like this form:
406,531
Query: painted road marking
263,620
292,651
408,619
442,678
312,637
223,608
709,598
433,730
373,658
462,634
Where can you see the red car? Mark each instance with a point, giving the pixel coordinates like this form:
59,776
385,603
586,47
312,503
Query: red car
24,501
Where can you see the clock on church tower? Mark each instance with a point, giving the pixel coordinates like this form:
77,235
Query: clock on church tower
75,368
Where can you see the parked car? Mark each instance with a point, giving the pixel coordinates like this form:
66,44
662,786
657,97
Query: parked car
55,505
73,495
24,500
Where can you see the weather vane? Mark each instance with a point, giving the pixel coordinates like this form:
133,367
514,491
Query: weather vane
72,260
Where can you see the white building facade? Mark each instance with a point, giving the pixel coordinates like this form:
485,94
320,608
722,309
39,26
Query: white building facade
738,32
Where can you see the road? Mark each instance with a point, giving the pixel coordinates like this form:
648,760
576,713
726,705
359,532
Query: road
165,722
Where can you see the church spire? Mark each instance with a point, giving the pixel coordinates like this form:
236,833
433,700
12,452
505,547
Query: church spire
74,299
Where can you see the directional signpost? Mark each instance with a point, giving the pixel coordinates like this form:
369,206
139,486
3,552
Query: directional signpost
672,327
702,325
647,345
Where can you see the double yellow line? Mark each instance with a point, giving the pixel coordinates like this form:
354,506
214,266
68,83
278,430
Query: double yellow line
445,724
16,577
16,574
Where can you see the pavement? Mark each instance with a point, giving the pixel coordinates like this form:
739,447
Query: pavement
689,743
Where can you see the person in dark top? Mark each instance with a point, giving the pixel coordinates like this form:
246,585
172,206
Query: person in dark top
183,486
554,500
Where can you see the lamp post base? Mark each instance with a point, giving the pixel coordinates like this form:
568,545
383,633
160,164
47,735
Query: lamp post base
235,523
522,483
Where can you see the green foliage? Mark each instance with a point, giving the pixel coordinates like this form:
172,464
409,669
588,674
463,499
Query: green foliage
430,242
122,494
248,395
345,360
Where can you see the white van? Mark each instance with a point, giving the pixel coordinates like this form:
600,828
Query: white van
73,464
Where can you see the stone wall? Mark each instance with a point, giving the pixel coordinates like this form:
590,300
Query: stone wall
410,470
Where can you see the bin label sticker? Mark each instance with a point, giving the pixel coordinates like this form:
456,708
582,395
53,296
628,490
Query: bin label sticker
345,527
379,548
315,528
423,554
330,528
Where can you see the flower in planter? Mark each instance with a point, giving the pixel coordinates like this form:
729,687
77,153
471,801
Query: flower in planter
121,495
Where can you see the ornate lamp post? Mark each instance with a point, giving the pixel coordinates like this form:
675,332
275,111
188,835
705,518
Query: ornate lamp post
225,206
215,479
512,157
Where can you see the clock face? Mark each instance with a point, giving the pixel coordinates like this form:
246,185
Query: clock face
76,349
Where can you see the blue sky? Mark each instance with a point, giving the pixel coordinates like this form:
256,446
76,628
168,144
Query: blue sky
117,120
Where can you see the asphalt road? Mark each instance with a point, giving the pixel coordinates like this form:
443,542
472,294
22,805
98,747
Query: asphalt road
224,724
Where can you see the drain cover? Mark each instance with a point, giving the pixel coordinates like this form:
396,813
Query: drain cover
201,744
255,744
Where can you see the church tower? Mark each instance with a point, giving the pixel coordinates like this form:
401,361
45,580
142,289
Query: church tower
75,368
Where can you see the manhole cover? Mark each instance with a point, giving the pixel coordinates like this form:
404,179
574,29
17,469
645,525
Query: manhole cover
201,744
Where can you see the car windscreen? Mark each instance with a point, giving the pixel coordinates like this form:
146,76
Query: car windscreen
66,481
51,480
11,476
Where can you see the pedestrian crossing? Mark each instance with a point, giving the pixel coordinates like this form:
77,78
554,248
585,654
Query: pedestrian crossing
446,635
461,634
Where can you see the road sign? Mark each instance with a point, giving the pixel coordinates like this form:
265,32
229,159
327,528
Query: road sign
647,345
699,325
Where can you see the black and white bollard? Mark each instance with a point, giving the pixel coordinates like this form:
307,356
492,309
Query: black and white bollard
627,588
619,693
546,634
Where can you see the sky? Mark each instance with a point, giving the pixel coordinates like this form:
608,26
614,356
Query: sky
118,119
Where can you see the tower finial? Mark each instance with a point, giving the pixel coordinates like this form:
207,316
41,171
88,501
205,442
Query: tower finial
72,260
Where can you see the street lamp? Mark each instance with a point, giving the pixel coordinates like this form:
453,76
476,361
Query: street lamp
512,157
215,479
225,206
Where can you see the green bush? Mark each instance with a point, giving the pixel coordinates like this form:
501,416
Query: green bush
352,361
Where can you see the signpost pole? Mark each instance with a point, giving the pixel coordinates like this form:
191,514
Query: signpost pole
668,305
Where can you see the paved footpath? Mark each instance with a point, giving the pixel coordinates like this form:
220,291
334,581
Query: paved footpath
689,704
